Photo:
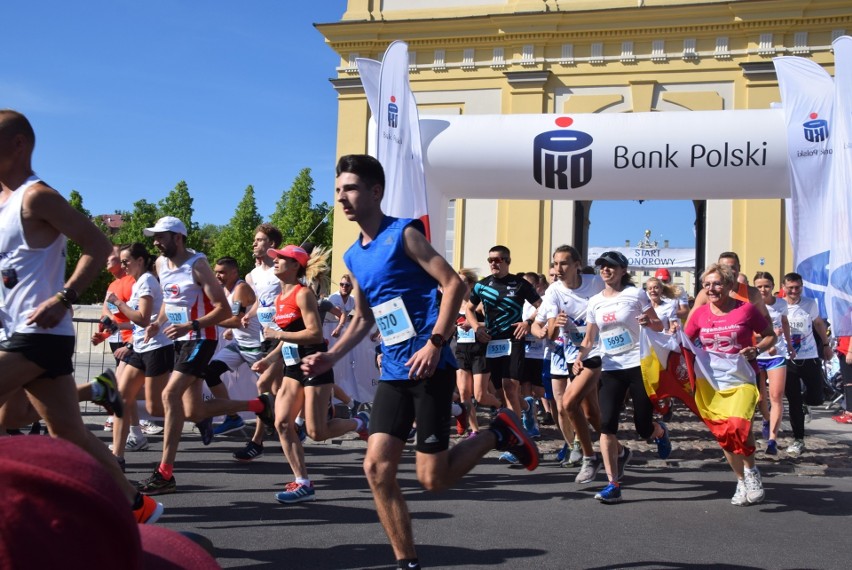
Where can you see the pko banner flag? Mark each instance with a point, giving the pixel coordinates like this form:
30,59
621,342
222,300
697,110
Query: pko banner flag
725,394
398,145
608,156
839,293
807,94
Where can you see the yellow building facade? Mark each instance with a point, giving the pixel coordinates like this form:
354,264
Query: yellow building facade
576,56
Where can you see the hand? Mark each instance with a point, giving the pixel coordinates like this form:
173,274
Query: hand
561,319
749,352
376,336
245,321
481,334
228,334
578,366
260,366
423,363
791,352
175,331
522,329
465,326
317,363
270,334
48,314
336,332
642,320
121,352
151,331
827,353
112,299
98,338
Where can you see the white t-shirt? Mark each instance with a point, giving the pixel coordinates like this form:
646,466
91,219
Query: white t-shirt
574,303
534,348
619,330
776,310
666,312
147,286
801,318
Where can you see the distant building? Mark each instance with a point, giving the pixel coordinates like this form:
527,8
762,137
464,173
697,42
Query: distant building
112,221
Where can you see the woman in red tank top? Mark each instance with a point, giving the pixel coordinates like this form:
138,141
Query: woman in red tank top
297,314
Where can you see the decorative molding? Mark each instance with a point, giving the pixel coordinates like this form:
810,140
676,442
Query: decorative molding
498,59
689,52
597,57
627,55
528,55
351,66
758,70
658,51
468,62
439,63
723,49
527,78
567,57
766,45
347,86
800,44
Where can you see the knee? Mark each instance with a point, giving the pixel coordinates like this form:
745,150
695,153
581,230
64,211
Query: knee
432,481
378,471
171,397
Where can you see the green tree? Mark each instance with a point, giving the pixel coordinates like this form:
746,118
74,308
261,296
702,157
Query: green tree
296,217
208,237
144,215
97,290
237,236
178,203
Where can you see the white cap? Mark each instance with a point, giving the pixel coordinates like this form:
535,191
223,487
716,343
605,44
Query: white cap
166,224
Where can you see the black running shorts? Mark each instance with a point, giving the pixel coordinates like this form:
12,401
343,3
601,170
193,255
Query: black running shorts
193,356
153,362
51,352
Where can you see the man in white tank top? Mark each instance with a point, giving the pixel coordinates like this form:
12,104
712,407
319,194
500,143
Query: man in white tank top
194,302
36,300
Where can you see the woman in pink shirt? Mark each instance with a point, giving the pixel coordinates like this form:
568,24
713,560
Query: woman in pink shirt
727,326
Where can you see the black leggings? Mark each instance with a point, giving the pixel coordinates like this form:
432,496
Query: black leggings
808,372
614,385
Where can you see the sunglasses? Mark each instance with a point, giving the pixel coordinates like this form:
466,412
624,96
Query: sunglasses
345,284
125,262
496,259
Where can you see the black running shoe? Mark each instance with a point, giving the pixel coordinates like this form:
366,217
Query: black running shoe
267,416
156,484
205,428
111,400
252,451
512,437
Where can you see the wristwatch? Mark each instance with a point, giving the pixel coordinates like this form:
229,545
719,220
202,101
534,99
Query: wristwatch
196,326
437,340
529,322
757,349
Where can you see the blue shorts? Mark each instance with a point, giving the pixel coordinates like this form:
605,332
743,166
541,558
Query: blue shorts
771,363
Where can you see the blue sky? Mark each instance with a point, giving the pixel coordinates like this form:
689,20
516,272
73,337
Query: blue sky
128,98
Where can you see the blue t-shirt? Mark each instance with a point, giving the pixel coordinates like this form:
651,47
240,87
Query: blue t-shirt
386,275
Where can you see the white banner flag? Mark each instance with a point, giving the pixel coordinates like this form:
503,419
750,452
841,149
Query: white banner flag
839,294
807,93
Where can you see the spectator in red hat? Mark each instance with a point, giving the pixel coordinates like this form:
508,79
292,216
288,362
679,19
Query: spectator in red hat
682,299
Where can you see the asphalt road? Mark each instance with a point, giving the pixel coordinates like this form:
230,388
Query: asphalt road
500,516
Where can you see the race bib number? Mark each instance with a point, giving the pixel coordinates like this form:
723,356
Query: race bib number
534,347
266,315
797,327
393,321
617,340
177,315
466,336
498,348
577,336
290,352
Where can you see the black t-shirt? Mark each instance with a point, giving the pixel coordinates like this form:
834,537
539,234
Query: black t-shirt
503,301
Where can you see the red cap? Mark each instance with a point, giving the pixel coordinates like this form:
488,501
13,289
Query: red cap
291,251
56,494
663,273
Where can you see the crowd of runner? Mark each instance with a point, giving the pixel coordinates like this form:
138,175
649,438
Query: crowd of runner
492,358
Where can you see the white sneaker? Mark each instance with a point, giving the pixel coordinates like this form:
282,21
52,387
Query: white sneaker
576,455
796,448
739,499
753,487
589,470
135,443
108,424
150,428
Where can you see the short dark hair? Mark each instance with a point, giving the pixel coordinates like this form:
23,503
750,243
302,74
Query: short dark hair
764,275
793,277
13,123
364,166
229,262
270,231
502,250
139,250
730,255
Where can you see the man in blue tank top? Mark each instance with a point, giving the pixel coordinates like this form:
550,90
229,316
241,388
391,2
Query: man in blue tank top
395,275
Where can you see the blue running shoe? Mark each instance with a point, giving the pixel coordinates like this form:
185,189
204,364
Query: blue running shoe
528,415
205,428
296,493
610,494
534,433
771,447
230,425
764,430
664,446
563,453
301,431
509,457
364,432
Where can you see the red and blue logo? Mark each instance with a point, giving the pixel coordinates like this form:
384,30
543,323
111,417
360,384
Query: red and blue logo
393,113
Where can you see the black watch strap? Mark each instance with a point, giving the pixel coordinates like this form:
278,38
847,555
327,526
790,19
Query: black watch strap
437,340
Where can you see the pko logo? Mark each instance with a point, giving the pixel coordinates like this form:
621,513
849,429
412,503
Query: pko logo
559,161
816,130
393,113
